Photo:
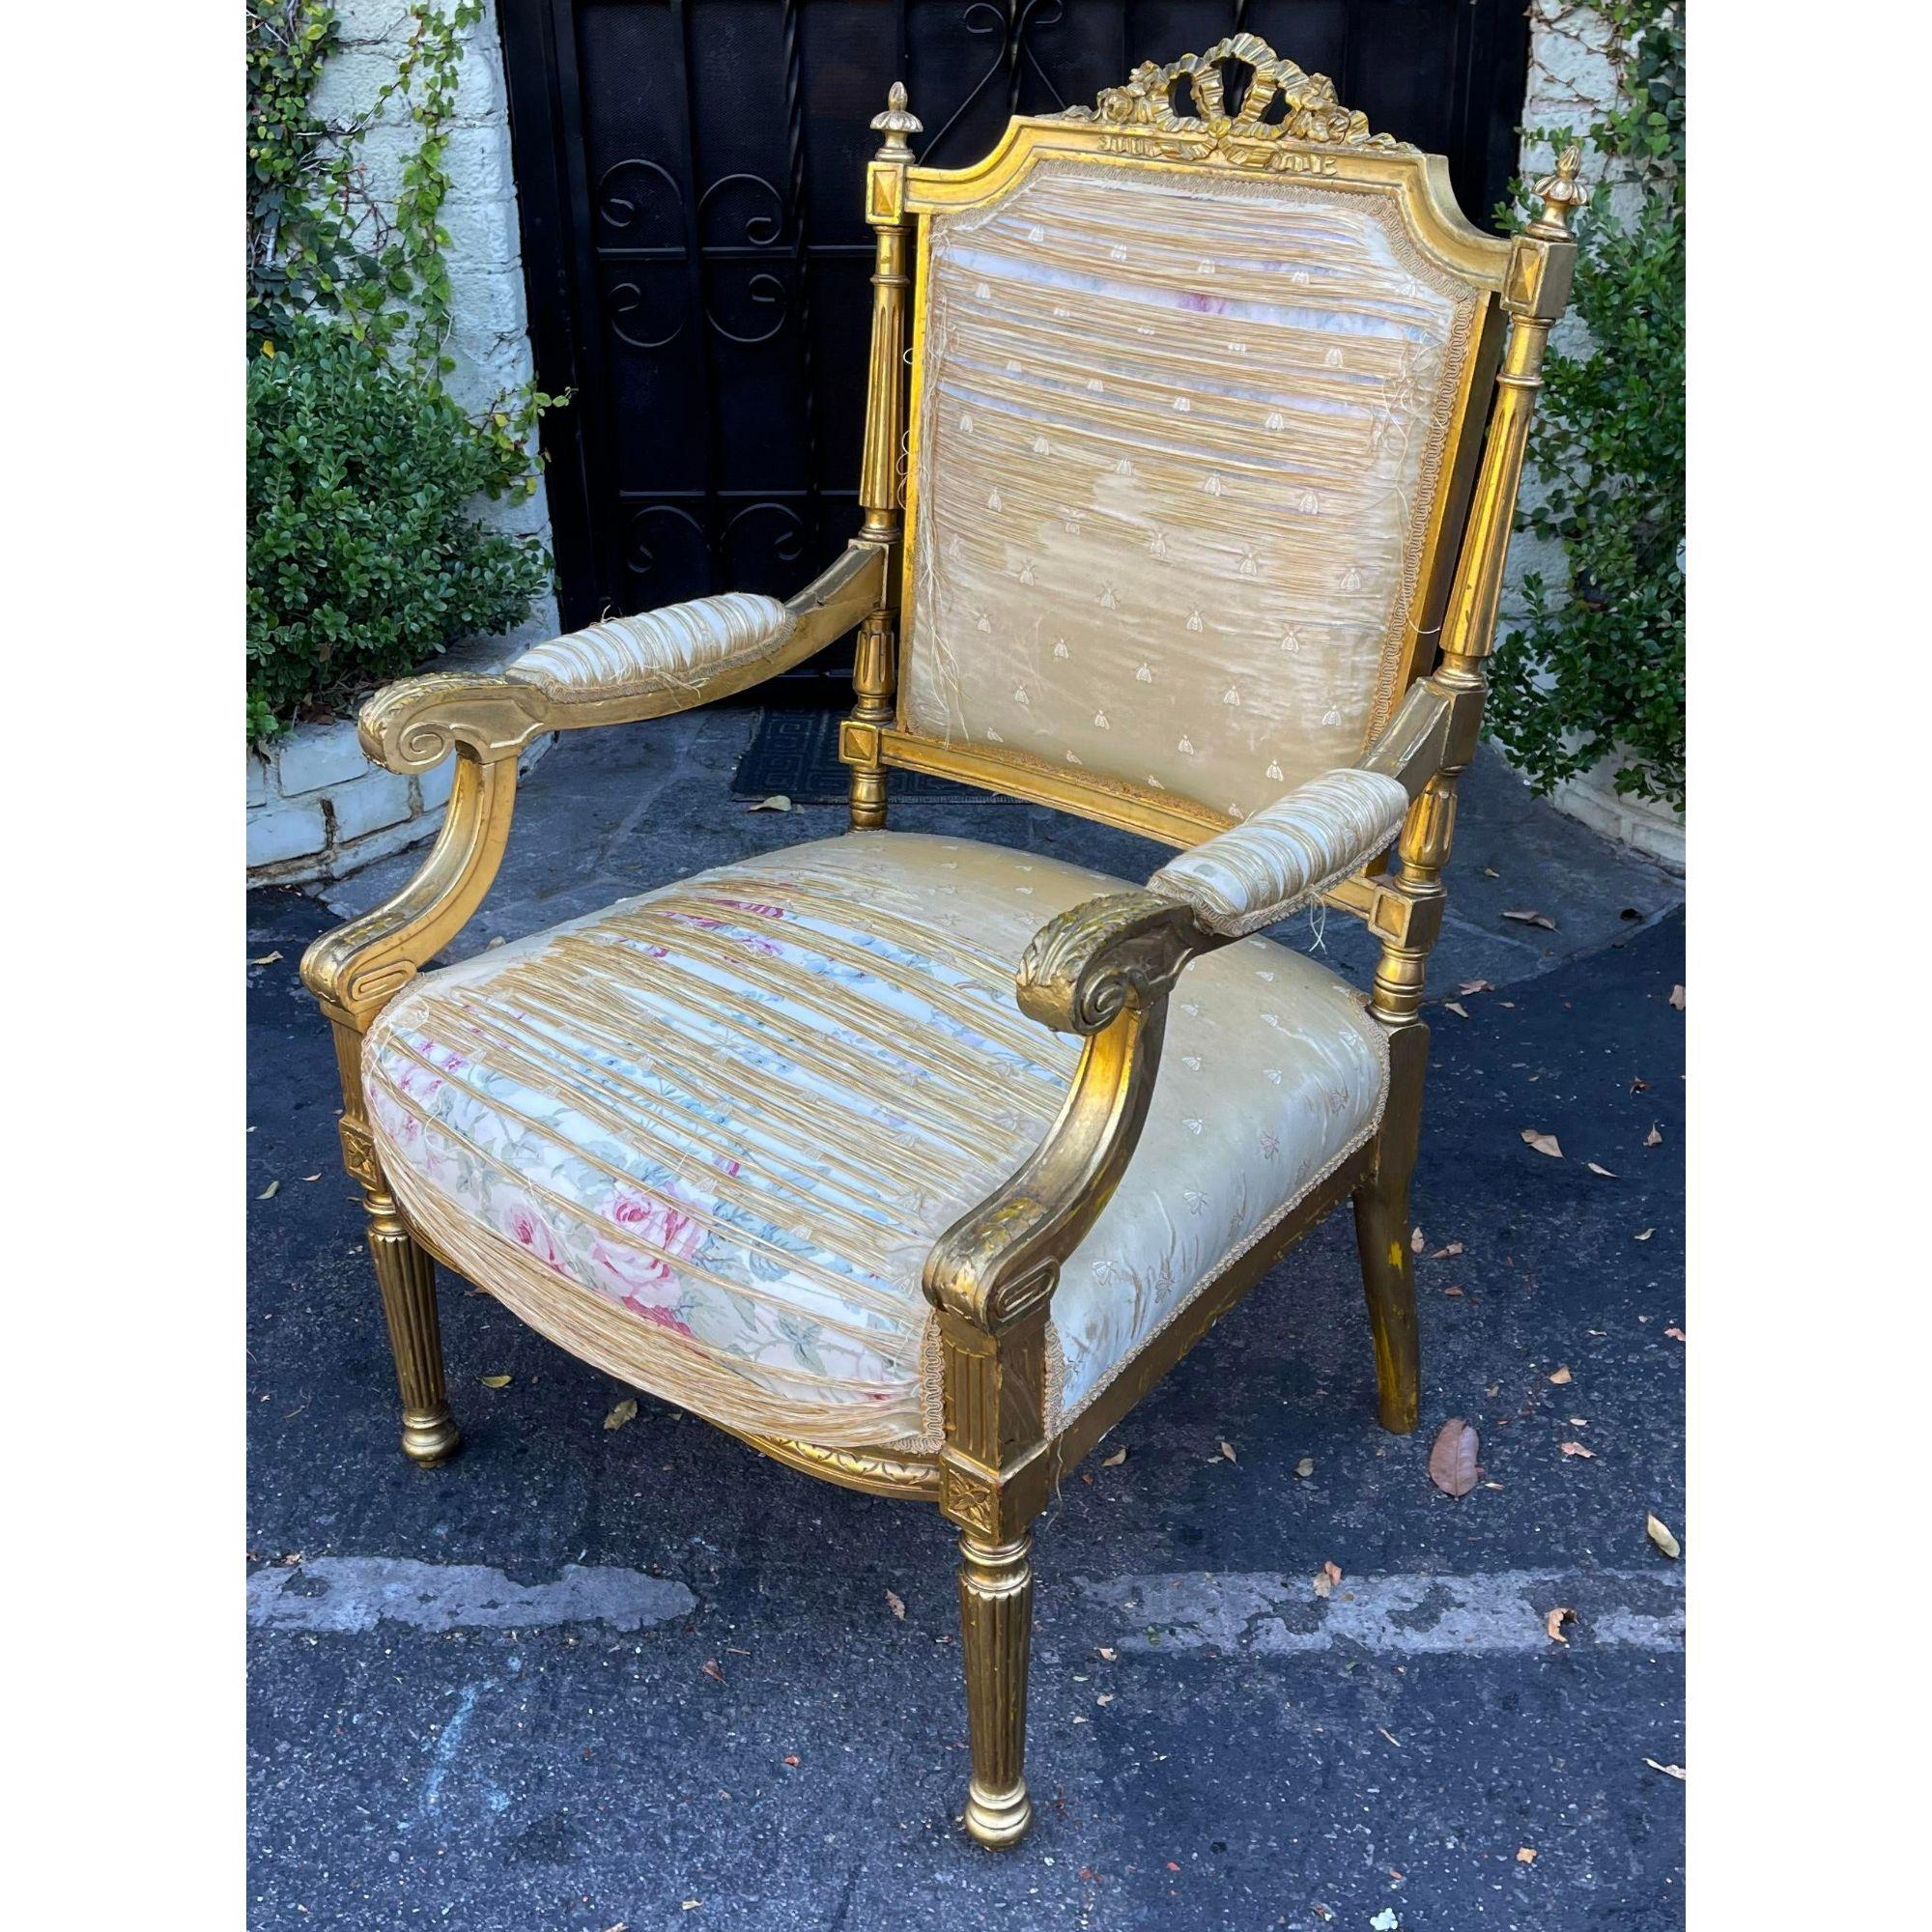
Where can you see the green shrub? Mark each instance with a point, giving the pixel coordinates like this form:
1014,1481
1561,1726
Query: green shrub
363,557
1596,668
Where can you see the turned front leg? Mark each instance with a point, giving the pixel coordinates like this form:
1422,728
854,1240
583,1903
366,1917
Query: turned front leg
404,1274
406,1278
996,1632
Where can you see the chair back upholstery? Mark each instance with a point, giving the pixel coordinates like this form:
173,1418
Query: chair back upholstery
1197,395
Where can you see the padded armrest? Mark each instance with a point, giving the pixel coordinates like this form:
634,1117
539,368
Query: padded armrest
682,648
1274,863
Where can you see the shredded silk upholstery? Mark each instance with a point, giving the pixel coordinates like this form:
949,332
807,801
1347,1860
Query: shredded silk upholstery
1178,441
1257,872
679,649
705,1139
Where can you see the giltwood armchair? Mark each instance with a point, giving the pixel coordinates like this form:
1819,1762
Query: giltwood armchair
1215,426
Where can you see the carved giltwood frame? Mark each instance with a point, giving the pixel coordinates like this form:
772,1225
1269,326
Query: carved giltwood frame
1102,971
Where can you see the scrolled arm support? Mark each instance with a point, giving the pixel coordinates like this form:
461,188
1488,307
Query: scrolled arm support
486,721
1102,969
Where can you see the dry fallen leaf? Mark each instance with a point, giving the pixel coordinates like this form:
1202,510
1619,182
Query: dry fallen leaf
792,1760
1523,916
1526,1855
500,940
1604,1171
1675,1334
1677,998
777,802
1654,1137
1227,1450
710,1669
1553,1623
267,959
494,1381
270,1192
1644,1233
1469,987
1452,1457
1108,1651
1452,1248
1385,1921
1105,1697
1452,1290
1416,1243
1305,1467
1329,1574
897,1605
1639,1084
1675,1771
1660,1535
1458,1007
1115,1460
1543,1142
1578,1449
1561,1376
621,1414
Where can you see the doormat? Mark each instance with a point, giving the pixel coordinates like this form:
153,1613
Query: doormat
796,753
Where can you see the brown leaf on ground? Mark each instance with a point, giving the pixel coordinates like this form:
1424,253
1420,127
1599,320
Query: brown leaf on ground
1675,1334
1556,1620
1675,1771
897,1605
1452,1457
1458,1007
1329,1574
1654,1137
1659,1534
1677,998
1227,1450
1452,1290
1305,1467
1604,1171
1644,1233
1115,1460
1524,916
777,802
1578,1449
494,1381
1416,1242
1108,1651
791,1758
267,959
1448,1248
1526,1855
270,1192
625,1412
711,1670
1639,1084
1543,1142
1469,987
1561,1376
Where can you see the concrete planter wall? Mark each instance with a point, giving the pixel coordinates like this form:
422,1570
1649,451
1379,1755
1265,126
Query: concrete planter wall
318,808
1646,824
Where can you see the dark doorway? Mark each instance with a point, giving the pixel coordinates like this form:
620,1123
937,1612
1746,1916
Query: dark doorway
689,176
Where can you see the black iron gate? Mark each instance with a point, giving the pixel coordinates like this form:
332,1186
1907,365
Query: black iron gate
689,176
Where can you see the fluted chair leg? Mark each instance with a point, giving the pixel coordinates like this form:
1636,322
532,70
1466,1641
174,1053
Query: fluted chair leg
1383,1233
407,1279
996,1632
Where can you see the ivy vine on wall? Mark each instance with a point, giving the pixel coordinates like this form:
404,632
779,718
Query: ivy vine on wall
365,555
1596,669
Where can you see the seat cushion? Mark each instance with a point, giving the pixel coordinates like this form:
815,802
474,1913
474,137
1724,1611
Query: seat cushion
705,1139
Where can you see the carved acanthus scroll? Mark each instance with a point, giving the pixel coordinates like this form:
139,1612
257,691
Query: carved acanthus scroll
1144,108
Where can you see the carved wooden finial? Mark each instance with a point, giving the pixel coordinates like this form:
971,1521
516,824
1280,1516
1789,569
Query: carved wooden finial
896,123
1561,194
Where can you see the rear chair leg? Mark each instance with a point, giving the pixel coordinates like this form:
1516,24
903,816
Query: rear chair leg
996,1632
1382,1233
